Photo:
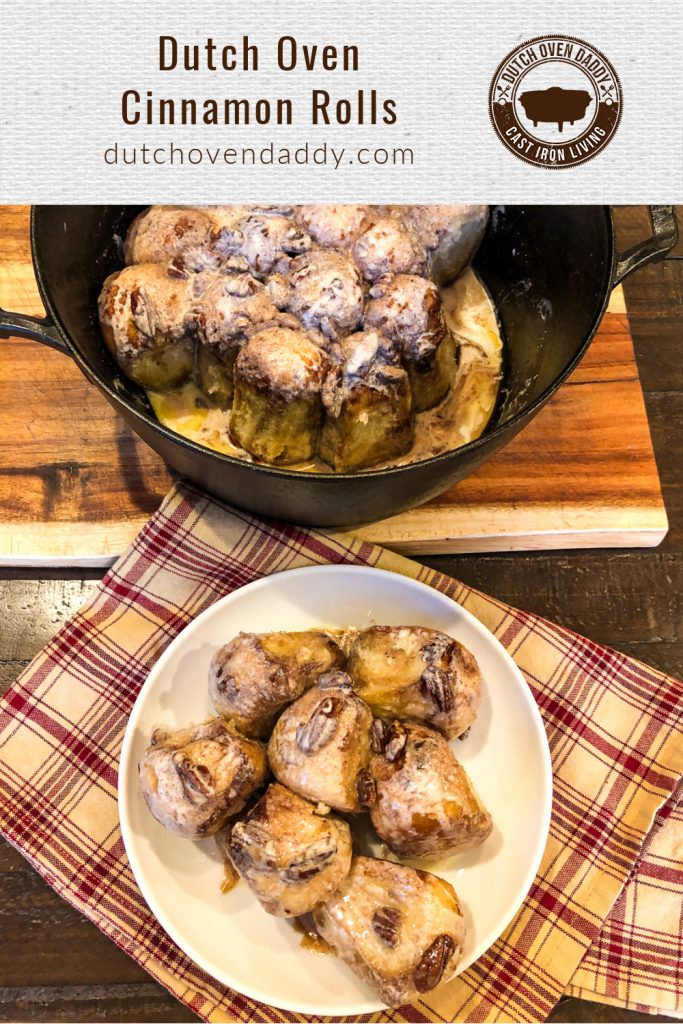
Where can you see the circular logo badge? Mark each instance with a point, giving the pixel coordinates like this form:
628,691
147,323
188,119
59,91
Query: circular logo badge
555,101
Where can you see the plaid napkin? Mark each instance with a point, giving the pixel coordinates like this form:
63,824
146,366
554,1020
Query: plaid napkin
602,918
637,959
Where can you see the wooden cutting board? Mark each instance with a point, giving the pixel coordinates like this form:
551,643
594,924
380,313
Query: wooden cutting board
76,484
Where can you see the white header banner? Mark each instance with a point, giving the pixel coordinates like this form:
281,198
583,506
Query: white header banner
363,100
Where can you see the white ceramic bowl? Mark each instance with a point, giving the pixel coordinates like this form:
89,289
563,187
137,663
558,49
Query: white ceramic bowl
506,754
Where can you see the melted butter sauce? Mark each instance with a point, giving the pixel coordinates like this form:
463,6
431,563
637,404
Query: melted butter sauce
230,878
310,939
461,417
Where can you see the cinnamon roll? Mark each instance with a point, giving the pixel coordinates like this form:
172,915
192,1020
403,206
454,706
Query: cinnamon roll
425,805
320,746
324,290
388,246
333,227
407,309
291,855
256,675
399,929
147,323
162,234
194,779
263,239
417,673
368,405
230,308
277,405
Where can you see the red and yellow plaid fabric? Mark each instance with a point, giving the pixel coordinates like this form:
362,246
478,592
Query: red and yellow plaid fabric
637,959
601,915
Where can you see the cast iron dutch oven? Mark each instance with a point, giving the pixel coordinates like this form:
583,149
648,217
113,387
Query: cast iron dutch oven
550,270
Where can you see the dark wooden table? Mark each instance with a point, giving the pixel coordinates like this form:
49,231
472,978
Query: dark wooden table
55,965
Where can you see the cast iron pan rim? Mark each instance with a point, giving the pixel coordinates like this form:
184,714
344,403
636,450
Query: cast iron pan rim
276,471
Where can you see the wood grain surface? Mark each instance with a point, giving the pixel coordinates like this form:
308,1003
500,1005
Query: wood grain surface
55,965
582,474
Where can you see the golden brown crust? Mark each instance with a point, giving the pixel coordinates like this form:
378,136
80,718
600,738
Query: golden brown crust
425,804
321,744
163,233
417,673
256,675
194,779
291,856
398,929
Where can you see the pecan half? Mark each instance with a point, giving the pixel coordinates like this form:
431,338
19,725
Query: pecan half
241,286
196,779
321,726
366,788
436,685
386,923
394,741
250,844
377,735
429,971
178,269
436,679
317,857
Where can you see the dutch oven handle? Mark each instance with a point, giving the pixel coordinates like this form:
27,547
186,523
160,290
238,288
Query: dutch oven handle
39,328
664,237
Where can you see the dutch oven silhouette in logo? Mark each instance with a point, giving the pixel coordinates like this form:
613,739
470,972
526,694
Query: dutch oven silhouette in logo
555,101
555,104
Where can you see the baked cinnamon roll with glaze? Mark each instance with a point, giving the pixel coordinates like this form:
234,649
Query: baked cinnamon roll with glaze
277,404
451,234
324,290
407,309
147,323
291,856
194,779
230,214
417,673
388,246
162,234
368,404
263,239
230,308
425,804
256,675
399,929
320,746
333,227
